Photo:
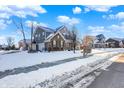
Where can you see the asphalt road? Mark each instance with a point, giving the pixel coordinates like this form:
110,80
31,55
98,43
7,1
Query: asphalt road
112,77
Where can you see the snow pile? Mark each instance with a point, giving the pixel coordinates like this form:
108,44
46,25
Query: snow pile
77,77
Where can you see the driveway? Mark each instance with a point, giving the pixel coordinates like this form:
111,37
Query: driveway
112,77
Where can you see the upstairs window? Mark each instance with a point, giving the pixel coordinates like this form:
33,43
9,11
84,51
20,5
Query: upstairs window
58,36
39,35
43,33
36,35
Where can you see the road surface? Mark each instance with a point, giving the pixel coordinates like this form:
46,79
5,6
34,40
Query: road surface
112,77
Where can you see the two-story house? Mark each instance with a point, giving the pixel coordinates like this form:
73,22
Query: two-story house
45,38
59,40
53,40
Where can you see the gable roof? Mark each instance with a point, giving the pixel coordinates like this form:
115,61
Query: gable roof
123,41
59,28
59,31
54,34
100,37
65,32
45,29
116,39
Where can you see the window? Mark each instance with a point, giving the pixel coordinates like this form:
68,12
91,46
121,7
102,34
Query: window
61,43
43,33
58,36
39,35
36,35
54,43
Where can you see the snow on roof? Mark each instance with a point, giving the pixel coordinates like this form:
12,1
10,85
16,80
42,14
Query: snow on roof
117,39
54,34
46,29
59,28
123,41
64,32
50,36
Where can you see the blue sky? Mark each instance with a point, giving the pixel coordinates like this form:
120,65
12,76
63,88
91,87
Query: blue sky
89,20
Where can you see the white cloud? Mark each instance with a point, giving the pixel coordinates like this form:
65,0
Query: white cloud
119,27
38,9
74,21
8,21
94,30
77,10
4,16
99,8
3,25
24,11
63,19
2,39
114,29
20,11
119,15
29,24
67,20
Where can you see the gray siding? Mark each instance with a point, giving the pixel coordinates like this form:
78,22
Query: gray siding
40,35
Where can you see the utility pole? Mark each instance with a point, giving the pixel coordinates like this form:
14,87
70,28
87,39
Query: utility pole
31,35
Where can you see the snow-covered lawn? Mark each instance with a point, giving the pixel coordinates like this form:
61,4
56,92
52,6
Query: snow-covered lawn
34,77
24,59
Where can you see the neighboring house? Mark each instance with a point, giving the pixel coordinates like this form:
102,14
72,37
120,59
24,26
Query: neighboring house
59,40
99,41
4,47
115,42
98,44
78,45
89,40
123,43
22,45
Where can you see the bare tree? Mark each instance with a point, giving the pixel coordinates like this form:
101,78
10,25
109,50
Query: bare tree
74,38
21,28
87,44
32,28
101,40
10,41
